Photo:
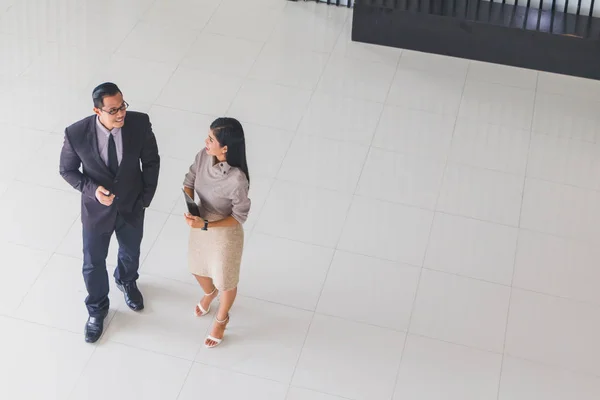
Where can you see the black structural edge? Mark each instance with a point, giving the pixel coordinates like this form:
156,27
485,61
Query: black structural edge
563,44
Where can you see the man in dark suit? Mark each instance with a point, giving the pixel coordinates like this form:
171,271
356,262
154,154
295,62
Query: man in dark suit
119,175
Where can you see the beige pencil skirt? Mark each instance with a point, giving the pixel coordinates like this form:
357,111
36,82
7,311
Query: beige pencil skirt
217,253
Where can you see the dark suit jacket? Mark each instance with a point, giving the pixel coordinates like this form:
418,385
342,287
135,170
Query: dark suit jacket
134,187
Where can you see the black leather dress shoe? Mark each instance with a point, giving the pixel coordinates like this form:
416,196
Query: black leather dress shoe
93,329
133,296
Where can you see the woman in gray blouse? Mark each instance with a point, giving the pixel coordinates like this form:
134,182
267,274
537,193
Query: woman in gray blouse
220,178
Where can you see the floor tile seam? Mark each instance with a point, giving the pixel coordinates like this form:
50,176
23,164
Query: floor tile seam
52,254
305,111
508,311
418,286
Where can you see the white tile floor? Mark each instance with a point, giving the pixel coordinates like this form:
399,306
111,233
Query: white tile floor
423,227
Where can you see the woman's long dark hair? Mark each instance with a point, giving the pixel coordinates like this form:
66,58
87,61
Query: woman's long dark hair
229,132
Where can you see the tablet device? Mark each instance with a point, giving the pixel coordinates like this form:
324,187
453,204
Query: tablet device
191,204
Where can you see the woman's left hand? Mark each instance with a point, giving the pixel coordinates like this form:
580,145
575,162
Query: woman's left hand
194,222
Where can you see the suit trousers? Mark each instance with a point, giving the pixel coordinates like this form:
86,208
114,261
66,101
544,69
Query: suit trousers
95,251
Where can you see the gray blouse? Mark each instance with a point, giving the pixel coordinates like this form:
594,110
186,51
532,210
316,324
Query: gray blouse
222,189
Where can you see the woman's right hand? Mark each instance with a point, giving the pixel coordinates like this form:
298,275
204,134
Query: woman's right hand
193,222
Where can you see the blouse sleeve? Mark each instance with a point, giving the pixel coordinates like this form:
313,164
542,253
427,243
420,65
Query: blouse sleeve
241,203
190,177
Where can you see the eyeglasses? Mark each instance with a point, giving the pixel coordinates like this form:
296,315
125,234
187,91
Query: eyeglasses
113,111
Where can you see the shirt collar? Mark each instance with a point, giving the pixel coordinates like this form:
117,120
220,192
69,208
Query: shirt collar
222,166
102,128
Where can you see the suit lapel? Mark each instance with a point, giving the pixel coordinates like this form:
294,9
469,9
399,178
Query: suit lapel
93,142
126,140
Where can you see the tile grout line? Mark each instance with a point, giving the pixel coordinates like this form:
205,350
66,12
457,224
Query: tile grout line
417,207
164,224
364,163
446,273
137,22
399,365
299,124
511,289
274,179
413,307
178,282
261,125
185,53
52,254
232,371
592,304
76,382
246,76
187,375
370,146
194,362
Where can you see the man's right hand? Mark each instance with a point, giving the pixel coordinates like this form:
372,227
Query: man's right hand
104,196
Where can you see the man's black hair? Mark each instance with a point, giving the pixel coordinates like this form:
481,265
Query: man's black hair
103,90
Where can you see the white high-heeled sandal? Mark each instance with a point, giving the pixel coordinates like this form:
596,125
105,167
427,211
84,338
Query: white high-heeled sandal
199,305
214,339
